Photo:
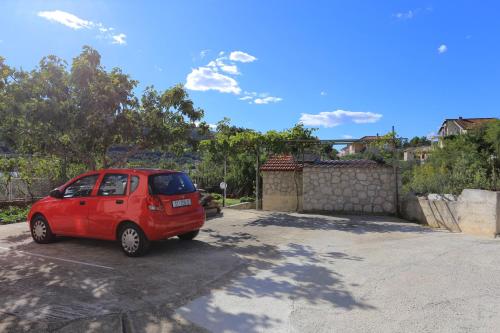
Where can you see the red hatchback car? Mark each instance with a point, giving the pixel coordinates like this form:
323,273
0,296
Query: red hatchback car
133,206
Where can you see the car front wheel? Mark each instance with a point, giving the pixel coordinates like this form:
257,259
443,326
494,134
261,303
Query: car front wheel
189,235
40,230
133,240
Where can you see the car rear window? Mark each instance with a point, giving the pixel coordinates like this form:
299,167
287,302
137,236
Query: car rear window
170,183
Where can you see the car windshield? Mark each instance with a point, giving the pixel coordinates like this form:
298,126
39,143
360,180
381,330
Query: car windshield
170,183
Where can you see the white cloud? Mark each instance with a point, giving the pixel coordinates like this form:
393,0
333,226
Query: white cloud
267,100
408,15
323,93
338,117
347,136
67,19
219,75
241,56
405,15
442,48
230,69
119,39
203,53
219,64
206,78
74,22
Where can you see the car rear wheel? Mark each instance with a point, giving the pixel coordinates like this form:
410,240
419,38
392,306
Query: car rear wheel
133,240
40,230
189,235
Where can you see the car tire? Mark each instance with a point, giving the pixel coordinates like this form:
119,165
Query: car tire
40,230
133,240
189,235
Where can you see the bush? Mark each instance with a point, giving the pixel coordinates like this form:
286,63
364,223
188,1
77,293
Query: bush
462,162
247,199
216,196
13,214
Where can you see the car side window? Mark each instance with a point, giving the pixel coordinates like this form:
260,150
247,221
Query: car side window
113,184
81,188
134,183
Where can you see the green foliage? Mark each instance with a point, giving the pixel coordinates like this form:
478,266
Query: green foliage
381,150
247,199
418,141
240,147
216,196
77,113
13,214
464,161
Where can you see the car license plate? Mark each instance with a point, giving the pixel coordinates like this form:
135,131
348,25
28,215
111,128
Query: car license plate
181,203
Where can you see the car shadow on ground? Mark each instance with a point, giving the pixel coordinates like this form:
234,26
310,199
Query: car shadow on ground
139,294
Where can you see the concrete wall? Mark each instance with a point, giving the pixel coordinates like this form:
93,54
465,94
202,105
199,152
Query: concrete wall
474,212
349,189
282,191
435,211
479,212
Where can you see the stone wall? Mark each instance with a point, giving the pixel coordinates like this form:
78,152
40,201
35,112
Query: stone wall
474,212
349,189
282,191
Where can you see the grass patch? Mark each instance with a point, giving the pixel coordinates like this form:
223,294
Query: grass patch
13,214
229,201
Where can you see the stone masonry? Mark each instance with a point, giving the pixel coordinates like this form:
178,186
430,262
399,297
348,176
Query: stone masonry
359,189
282,190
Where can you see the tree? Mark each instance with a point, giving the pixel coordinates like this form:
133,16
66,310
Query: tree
462,162
77,114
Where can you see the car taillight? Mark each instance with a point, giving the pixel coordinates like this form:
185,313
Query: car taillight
154,204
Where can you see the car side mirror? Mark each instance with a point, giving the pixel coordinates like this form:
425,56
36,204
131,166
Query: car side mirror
56,194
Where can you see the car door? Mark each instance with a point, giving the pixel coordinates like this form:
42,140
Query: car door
70,216
110,206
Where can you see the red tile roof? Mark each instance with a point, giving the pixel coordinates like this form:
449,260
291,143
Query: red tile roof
288,163
369,138
281,163
348,164
469,123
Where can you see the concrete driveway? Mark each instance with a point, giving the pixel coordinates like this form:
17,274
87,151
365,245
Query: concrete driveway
254,272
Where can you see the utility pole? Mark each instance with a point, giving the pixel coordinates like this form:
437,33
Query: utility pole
257,179
395,170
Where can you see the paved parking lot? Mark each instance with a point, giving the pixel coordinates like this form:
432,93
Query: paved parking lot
253,272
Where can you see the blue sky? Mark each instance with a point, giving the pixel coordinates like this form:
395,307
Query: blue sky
351,68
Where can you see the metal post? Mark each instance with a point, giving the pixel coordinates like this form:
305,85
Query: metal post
225,187
257,180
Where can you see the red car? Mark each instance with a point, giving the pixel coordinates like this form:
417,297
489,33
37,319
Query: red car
134,206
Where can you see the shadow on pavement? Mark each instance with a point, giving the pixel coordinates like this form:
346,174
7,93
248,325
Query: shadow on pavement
354,224
142,294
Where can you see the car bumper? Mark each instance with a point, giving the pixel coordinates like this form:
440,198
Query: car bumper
164,226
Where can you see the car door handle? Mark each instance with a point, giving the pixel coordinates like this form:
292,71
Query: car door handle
119,202
82,203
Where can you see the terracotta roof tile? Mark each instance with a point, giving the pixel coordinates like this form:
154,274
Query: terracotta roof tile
370,138
469,123
281,163
348,164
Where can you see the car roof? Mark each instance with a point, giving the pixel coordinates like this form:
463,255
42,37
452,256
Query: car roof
144,171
